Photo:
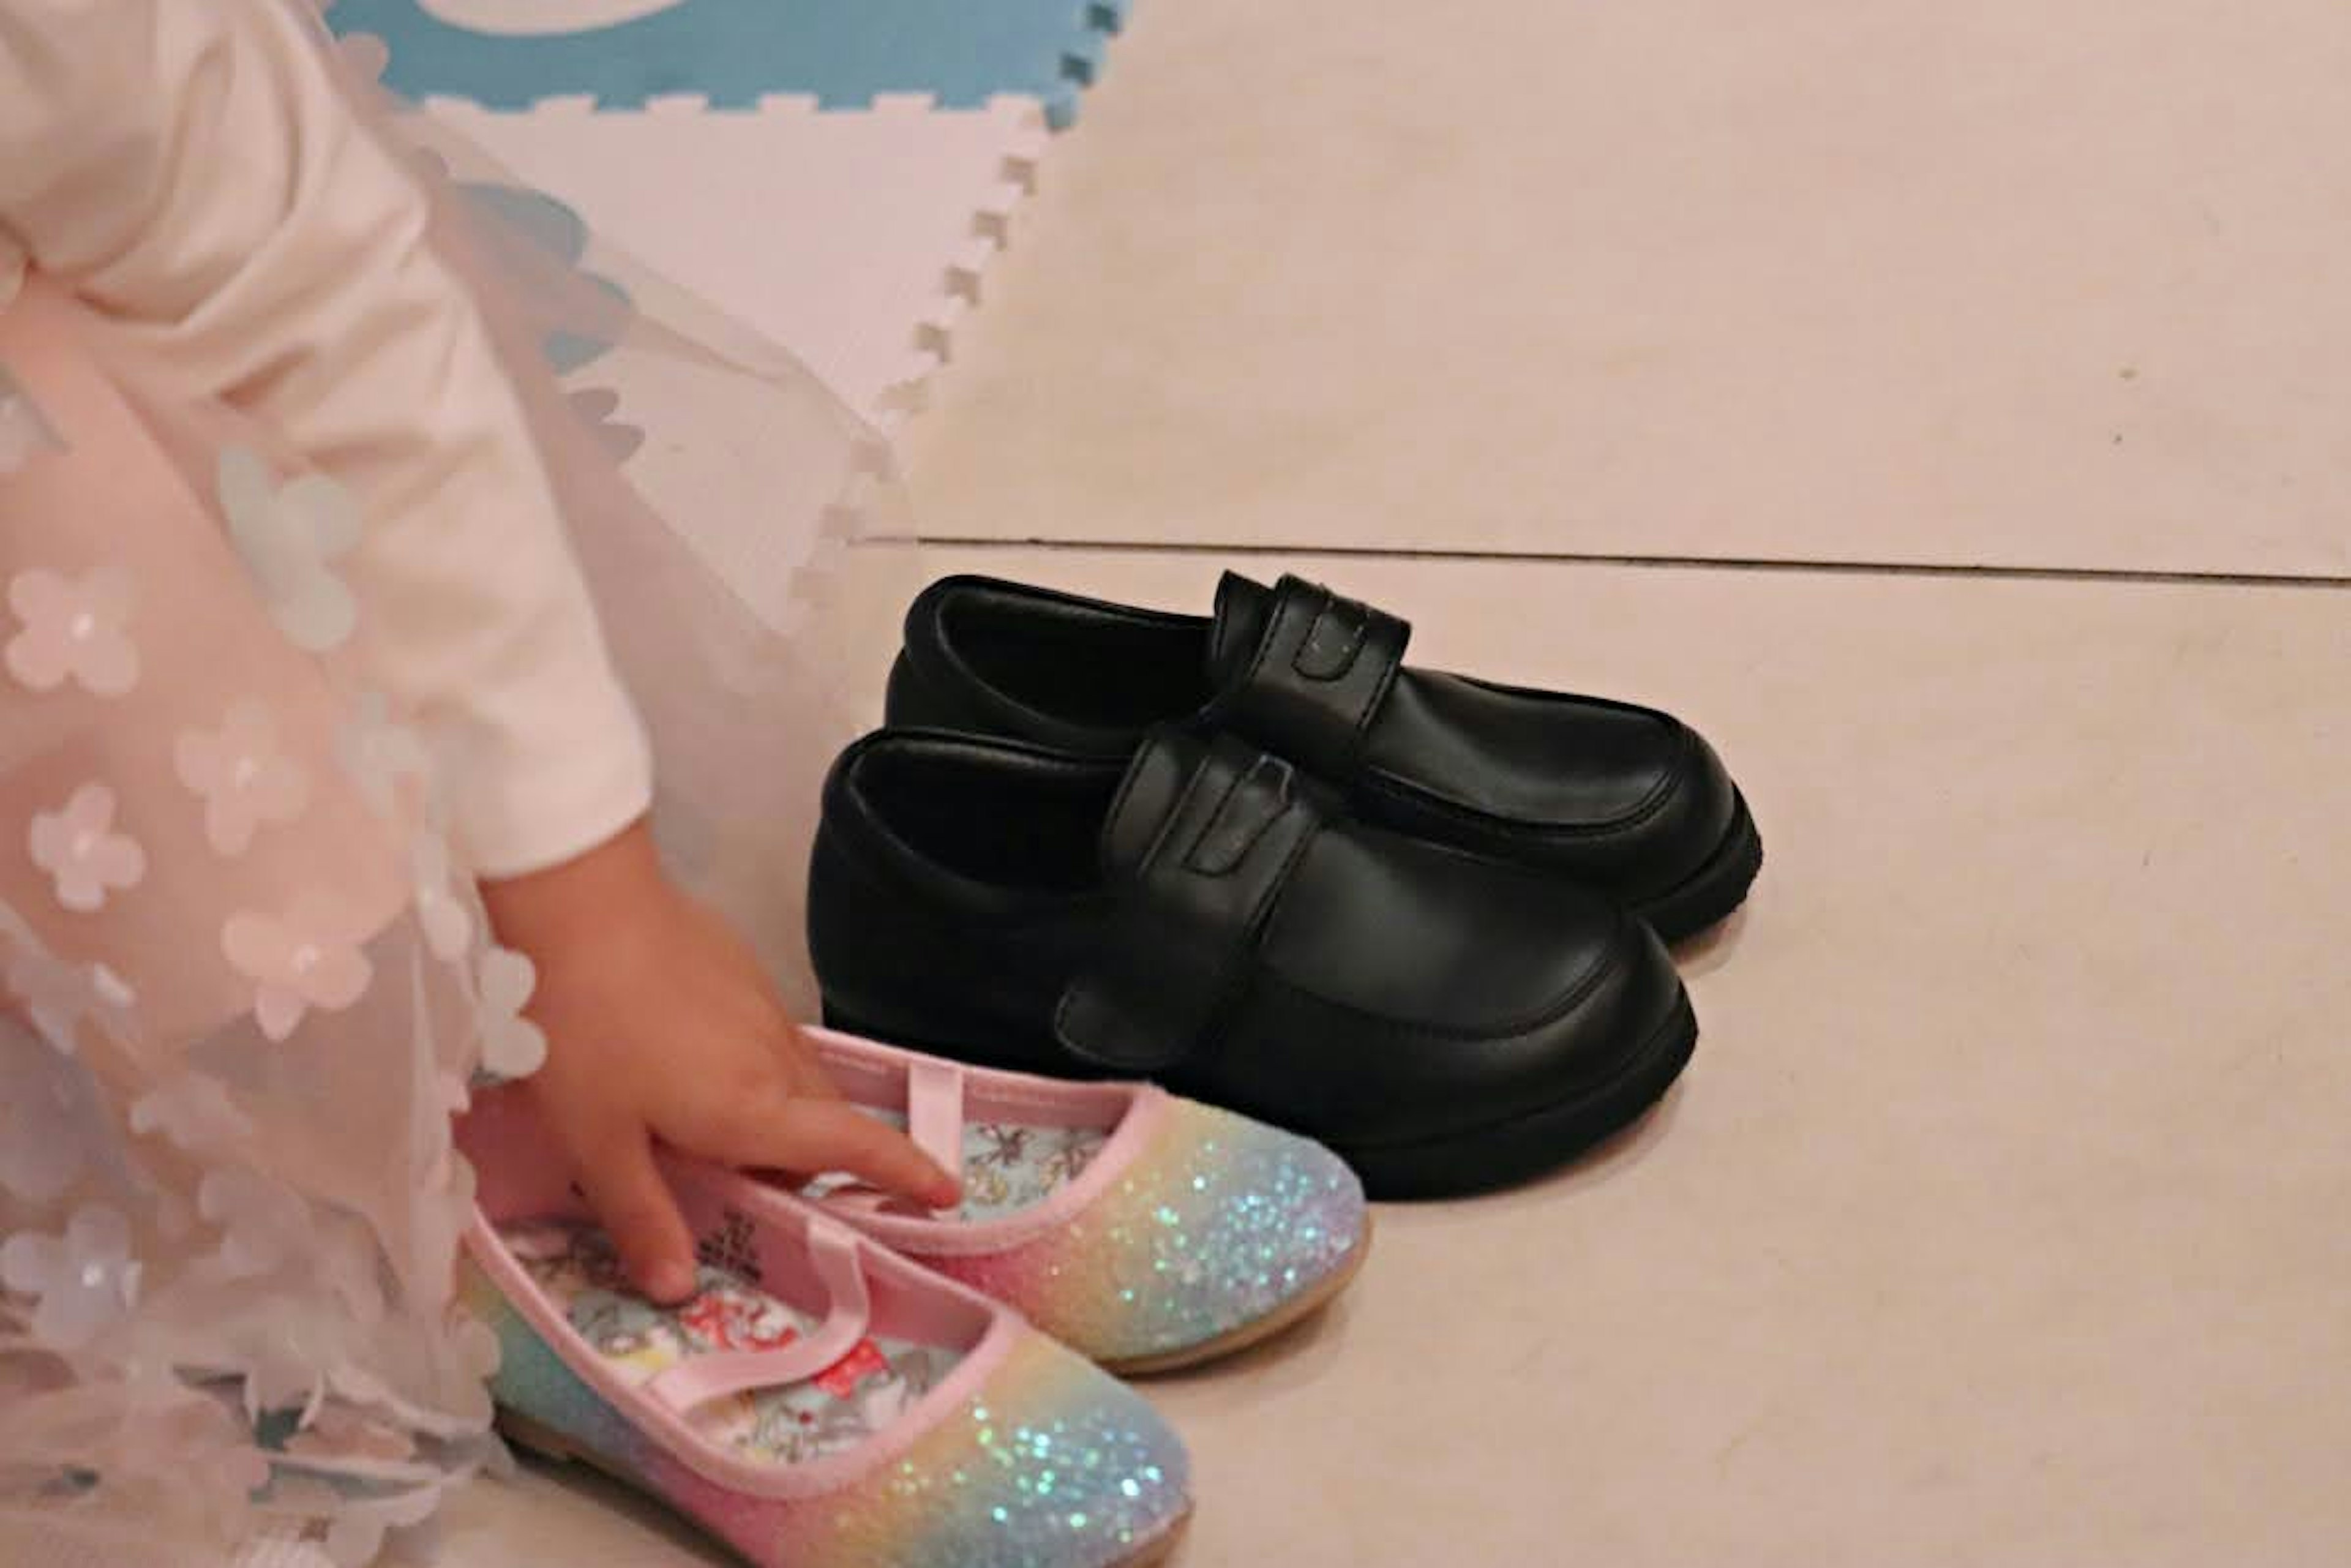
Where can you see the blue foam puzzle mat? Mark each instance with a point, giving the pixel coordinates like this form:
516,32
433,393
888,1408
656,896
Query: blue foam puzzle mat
732,53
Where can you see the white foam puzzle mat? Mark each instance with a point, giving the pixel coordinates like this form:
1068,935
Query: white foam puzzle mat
835,174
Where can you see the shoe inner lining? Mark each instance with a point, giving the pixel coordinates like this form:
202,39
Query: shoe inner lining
866,1392
1080,668
1035,829
1007,1166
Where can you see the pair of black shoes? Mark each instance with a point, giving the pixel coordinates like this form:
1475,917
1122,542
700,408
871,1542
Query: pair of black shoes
1254,857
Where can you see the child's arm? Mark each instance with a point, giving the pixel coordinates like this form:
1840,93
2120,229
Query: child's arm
192,169
195,171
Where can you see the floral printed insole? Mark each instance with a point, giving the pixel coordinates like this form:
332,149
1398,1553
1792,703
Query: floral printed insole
1007,1166
867,1390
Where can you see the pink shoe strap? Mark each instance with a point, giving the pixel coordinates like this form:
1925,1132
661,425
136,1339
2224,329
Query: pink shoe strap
934,1113
934,1110
834,1251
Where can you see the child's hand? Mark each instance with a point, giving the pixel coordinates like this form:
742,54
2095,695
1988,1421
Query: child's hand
660,1025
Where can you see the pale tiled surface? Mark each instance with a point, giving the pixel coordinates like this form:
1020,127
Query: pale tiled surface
2000,282
566,1518
1999,1220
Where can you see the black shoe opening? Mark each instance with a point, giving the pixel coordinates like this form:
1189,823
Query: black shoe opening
1086,671
1032,829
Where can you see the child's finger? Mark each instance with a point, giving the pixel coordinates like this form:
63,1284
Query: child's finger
804,1074
806,1136
625,1188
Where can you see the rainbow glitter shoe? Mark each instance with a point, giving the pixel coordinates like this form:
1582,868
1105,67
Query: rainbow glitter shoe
819,1403
1144,1230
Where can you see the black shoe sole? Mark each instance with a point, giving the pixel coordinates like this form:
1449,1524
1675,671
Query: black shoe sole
1504,1153
1708,896
1480,1159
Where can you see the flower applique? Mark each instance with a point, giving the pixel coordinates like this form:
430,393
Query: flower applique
338,1432
227,1473
474,1348
366,1523
363,1531
85,1280
194,1112
285,1370
512,1046
74,629
448,923
263,1225
378,751
309,957
348,1262
242,776
193,1437
445,1210
595,406
200,1440
290,537
87,860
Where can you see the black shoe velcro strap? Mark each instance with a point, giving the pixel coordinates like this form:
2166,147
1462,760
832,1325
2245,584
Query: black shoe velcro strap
1195,910
1319,676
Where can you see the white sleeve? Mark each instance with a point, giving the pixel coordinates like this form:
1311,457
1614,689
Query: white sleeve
192,168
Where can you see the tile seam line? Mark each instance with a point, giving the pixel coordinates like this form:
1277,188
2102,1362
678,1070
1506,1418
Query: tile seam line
2115,575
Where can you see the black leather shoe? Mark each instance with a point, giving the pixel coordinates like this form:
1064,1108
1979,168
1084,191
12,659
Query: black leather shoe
1630,800
1447,1023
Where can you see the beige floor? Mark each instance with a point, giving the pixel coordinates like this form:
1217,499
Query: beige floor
2009,281
2000,1220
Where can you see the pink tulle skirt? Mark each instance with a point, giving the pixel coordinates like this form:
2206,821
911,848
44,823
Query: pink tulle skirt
247,980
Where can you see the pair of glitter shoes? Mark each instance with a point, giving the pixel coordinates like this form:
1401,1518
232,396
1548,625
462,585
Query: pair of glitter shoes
856,1382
